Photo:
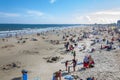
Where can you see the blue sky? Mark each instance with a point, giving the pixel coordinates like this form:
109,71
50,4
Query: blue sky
59,11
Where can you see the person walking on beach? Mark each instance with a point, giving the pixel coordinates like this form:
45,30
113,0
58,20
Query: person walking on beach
66,64
74,62
66,46
59,74
101,47
74,54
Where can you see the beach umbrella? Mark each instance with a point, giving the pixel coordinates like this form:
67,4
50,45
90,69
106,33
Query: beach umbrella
68,77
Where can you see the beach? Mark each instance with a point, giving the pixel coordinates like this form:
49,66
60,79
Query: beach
34,53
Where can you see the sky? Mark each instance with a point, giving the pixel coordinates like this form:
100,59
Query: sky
59,11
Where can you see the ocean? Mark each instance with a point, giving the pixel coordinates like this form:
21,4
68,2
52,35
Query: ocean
8,30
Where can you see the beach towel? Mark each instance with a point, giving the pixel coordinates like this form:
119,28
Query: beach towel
79,63
68,77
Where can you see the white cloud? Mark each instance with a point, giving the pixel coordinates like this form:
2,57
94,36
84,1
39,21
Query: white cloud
35,13
107,16
4,14
108,13
52,1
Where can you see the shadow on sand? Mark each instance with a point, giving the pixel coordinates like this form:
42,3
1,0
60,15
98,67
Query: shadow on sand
17,78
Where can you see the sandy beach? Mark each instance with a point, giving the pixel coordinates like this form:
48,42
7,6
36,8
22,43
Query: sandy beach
35,54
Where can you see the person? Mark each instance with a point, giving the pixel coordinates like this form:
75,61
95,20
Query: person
63,37
24,74
112,39
66,64
74,54
86,62
68,69
89,78
93,78
74,64
78,39
56,76
92,50
101,47
107,42
66,46
71,47
59,74
91,61
3,39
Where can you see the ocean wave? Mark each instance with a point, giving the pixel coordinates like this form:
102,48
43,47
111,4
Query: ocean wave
34,30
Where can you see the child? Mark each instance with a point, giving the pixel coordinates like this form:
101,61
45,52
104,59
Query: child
66,65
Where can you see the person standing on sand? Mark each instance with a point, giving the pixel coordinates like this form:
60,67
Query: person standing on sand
74,54
101,47
66,64
55,77
74,62
59,74
66,46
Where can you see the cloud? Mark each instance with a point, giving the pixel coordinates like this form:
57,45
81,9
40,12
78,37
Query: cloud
4,14
108,13
34,13
52,1
107,16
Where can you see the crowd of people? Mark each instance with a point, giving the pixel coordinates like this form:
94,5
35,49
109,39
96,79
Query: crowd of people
106,42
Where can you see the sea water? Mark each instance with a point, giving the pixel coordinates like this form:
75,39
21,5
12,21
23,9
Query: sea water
8,30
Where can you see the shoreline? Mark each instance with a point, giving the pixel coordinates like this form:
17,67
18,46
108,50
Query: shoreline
34,30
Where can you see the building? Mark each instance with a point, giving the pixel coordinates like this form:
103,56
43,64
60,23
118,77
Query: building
118,23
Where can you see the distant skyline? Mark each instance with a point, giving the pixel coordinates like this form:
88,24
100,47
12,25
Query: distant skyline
59,11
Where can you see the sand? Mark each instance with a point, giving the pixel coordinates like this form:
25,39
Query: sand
32,52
